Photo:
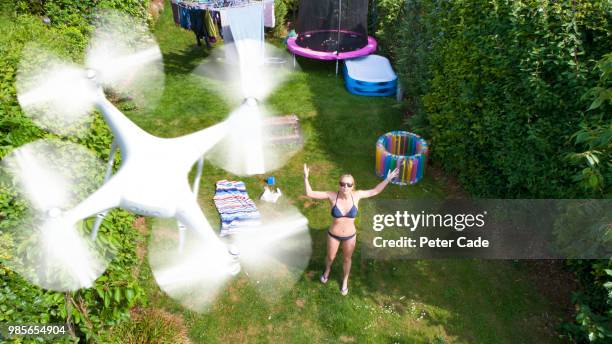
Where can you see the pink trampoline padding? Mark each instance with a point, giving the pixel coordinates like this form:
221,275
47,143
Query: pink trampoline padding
322,55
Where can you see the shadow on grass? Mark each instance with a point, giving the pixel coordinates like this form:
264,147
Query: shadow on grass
185,61
181,53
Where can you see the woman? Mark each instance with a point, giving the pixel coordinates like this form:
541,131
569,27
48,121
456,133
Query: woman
344,211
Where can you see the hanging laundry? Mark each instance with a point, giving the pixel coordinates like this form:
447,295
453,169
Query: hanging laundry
269,19
217,19
226,31
184,17
244,25
196,18
211,27
175,12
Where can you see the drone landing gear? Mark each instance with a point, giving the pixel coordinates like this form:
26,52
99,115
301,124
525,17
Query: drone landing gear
109,172
234,268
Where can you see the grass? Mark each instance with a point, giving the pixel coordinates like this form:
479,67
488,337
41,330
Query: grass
427,301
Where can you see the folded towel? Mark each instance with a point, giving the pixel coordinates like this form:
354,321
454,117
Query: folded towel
235,207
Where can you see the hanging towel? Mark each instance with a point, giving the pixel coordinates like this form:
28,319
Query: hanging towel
184,17
175,12
269,19
226,32
211,28
247,31
235,207
217,19
231,55
245,23
196,19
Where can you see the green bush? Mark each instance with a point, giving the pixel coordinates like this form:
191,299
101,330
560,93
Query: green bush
280,14
593,302
499,85
76,13
108,302
291,5
595,137
150,326
594,299
507,92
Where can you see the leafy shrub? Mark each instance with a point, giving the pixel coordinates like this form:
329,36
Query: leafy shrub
593,302
75,13
291,5
500,85
280,14
150,326
595,136
117,290
497,88
594,299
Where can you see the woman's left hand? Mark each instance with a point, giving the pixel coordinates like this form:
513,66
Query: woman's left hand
392,174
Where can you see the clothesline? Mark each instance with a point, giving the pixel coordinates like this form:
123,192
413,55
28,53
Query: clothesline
209,23
218,5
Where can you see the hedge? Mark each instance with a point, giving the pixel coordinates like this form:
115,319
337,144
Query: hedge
514,97
90,311
499,86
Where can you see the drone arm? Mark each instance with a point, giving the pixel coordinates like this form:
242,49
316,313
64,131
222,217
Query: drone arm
194,146
190,214
106,197
109,172
122,127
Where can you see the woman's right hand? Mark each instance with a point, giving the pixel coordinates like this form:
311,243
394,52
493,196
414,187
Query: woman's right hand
306,170
392,174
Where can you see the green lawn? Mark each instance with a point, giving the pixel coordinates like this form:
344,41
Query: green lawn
436,301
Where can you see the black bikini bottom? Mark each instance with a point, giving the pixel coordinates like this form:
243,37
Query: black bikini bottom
340,238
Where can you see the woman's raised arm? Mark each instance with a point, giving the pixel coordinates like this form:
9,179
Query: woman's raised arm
380,187
309,192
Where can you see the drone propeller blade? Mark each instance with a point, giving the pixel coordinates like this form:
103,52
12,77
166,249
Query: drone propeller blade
248,70
51,177
122,56
57,95
126,58
34,179
275,254
194,275
252,145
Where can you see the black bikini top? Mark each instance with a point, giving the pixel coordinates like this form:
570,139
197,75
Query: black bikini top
335,212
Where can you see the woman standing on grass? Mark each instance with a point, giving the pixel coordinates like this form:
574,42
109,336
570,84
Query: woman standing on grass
344,211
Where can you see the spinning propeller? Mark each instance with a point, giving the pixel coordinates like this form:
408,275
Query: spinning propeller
54,252
51,251
273,255
248,78
122,57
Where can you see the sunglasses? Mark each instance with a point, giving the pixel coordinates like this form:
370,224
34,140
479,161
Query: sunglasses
348,185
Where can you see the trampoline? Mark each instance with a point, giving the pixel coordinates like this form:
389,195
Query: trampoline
332,30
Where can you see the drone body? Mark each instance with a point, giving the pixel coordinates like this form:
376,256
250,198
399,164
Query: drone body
152,180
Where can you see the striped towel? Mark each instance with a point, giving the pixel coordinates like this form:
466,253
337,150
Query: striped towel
235,207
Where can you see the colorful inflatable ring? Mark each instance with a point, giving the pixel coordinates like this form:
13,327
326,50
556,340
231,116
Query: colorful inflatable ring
405,150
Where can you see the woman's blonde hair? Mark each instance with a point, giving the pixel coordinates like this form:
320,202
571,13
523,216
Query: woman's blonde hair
348,175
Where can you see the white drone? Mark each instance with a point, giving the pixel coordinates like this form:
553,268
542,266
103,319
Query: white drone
151,181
